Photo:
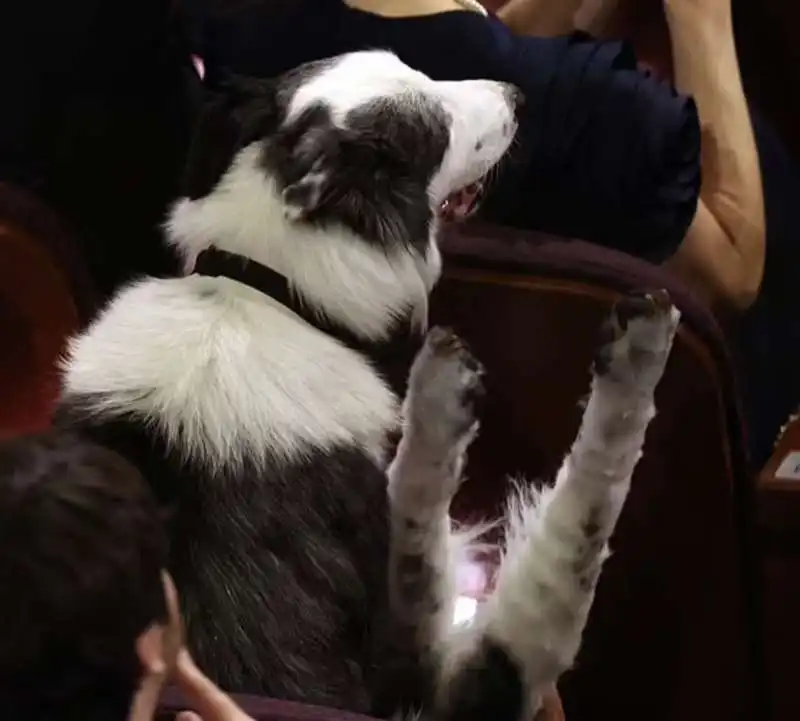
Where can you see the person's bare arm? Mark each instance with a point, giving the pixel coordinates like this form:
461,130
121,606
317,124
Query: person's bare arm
723,252
545,18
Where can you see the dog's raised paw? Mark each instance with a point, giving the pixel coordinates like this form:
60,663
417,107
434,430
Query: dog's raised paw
445,384
637,339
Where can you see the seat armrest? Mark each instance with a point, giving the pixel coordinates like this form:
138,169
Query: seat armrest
779,483
783,467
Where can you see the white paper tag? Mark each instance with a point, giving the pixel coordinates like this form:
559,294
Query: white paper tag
789,469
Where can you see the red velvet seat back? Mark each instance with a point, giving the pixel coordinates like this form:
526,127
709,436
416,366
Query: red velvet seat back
44,297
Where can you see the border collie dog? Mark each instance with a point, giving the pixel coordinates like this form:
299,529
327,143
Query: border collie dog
248,392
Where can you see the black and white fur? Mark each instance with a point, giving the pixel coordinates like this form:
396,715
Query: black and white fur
529,630
307,568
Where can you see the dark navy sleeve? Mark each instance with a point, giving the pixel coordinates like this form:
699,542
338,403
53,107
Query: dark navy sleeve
607,153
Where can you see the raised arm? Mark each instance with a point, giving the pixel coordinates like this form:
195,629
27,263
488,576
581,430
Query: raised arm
723,253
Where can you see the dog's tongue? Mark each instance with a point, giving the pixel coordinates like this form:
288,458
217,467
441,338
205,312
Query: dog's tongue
460,204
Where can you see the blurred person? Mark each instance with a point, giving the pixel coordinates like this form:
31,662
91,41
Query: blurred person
90,623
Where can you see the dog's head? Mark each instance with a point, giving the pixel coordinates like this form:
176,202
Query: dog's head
361,147
368,142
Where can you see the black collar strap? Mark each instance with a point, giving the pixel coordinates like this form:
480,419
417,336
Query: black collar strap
391,357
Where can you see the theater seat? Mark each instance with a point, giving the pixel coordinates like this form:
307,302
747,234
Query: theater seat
45,296
675,632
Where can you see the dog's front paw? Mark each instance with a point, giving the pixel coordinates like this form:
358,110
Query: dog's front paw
444,386
637,339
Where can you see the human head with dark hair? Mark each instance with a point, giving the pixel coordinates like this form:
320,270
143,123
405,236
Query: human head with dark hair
89,627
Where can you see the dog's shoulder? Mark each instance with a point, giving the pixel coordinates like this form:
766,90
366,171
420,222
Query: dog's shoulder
224,373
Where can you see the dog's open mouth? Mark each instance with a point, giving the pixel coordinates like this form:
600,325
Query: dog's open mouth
463,203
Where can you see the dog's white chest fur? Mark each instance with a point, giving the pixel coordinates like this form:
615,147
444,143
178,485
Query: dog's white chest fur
227,374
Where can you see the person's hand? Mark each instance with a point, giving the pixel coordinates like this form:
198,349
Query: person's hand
211,702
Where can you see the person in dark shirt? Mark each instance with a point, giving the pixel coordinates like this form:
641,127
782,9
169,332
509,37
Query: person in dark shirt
607,152
610,152
580,96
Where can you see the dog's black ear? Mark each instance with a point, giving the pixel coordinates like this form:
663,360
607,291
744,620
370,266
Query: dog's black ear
331,166
238,112
302,198
315,156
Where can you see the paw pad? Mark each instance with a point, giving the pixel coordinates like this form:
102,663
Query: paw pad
637,335
445,386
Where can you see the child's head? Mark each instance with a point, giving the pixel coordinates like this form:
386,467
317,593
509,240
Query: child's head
87,614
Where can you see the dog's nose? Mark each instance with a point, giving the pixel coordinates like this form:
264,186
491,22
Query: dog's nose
514,96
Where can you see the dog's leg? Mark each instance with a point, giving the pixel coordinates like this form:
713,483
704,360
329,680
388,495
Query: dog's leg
529,631
439,424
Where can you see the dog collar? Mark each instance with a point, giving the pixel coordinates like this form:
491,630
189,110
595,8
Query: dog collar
391,357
